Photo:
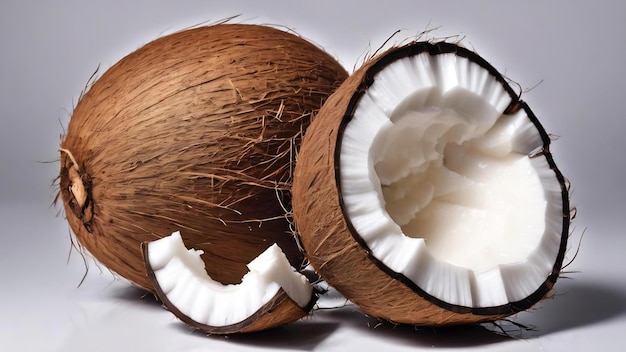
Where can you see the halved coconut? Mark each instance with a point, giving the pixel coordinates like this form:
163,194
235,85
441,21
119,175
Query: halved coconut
269,295
425,191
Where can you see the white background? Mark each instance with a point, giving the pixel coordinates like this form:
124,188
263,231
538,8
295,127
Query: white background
49,49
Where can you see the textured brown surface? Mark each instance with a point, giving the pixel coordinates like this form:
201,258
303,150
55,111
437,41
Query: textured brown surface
195,131
331,244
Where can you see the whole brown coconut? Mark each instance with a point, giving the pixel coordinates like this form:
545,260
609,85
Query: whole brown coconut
196,131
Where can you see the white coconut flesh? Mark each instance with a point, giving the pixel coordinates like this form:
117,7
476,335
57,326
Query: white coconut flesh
447,190
182,278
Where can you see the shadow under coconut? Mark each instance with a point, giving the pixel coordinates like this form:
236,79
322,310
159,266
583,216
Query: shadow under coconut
308,333
302,335
575,304
134,294
455,336
305,336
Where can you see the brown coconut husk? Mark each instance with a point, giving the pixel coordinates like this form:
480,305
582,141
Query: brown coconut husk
333,246
196,131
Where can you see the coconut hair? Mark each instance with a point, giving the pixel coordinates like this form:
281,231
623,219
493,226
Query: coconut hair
195,131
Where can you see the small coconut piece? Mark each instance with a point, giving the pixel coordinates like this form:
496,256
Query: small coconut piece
196,130
269,295
425,191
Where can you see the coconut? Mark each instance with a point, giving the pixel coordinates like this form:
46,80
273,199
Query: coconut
425,191
195,131
271,294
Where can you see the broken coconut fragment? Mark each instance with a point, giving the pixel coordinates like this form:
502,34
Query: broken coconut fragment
436,198
269,295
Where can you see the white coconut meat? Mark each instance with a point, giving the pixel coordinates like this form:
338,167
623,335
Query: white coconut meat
447,190
182,278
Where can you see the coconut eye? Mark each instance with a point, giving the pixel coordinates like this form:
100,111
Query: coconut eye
425,191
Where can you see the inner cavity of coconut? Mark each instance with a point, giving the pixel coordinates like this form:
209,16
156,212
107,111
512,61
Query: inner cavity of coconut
474,203
439,183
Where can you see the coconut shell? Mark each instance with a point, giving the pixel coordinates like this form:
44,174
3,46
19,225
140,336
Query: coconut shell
333,246
196,131
278,311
